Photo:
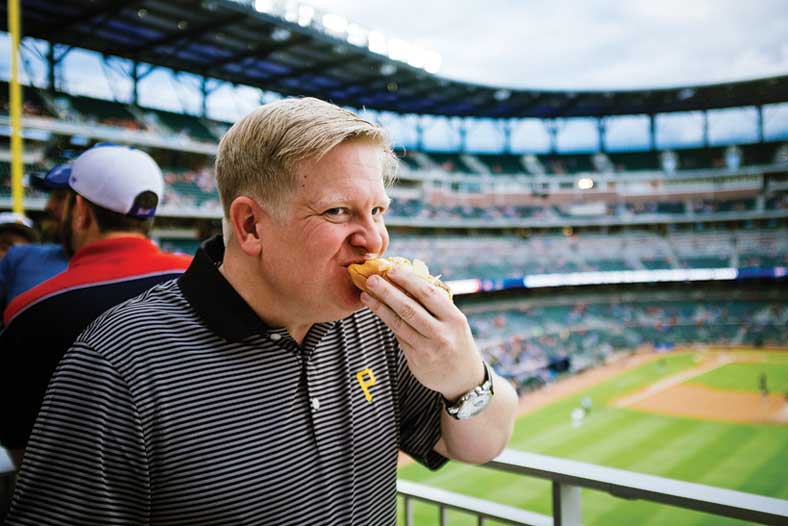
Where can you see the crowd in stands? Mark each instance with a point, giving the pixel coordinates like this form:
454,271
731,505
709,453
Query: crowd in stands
531,345
419,209
191,189
488,257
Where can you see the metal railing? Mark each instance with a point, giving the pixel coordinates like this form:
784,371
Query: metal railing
569,476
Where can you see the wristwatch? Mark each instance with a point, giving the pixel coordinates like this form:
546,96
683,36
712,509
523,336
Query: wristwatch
474,401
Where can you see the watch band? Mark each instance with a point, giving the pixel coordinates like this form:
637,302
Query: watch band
474,401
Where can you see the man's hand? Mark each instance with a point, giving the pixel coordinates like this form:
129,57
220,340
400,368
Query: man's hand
433,333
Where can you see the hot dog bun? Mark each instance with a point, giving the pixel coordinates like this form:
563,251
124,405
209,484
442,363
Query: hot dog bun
359,272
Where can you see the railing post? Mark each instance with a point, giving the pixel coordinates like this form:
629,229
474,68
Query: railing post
408,511
566,505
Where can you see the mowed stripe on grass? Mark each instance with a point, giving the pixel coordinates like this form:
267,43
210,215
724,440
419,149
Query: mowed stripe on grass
745,457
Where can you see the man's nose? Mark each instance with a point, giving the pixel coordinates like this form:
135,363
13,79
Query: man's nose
370,236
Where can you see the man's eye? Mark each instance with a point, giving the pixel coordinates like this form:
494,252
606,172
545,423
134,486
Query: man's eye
378,210
335,211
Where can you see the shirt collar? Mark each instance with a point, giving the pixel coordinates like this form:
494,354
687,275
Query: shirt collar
115,247
222,309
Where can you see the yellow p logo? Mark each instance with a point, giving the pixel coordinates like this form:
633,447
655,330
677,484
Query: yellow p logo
366,379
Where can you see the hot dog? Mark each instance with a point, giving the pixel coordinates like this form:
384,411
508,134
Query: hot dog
359,272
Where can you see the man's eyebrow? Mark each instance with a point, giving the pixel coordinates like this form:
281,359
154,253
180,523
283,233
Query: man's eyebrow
341,199
332,199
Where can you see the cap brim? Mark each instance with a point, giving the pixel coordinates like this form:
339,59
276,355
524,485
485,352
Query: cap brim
54,179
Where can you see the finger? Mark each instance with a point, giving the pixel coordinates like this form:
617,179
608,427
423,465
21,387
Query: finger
432,298
403,306
405,333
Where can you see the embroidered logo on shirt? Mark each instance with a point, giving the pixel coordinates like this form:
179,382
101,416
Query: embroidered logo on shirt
366,379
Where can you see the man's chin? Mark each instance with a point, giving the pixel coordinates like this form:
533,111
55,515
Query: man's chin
352,302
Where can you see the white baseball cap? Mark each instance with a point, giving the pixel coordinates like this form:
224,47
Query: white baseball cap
111,176
18,223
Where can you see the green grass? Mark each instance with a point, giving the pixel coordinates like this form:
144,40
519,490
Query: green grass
745,377
745,457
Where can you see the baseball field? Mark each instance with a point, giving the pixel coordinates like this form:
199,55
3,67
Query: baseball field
713,417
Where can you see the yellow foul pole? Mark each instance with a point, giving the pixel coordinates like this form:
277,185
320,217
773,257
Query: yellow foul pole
17,190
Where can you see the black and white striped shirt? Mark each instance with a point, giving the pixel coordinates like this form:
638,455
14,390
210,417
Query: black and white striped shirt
181,407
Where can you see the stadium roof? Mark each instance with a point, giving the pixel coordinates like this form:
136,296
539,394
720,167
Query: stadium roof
229,40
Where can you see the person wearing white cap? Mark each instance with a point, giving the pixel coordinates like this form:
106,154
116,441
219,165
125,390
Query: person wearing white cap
15,229
112,195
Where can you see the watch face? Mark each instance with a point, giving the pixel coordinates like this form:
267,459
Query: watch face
474,406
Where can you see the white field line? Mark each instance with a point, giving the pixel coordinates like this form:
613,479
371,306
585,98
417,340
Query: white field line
670,381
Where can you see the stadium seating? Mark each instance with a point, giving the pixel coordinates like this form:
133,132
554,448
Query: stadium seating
525,342
496,257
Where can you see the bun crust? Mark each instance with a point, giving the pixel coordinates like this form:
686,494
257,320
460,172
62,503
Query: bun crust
359,272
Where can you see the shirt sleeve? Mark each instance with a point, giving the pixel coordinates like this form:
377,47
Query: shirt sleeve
85,462
420,413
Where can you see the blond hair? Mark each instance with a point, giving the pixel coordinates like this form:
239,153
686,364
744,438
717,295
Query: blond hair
258,155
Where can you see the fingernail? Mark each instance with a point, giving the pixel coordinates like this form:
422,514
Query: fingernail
373,281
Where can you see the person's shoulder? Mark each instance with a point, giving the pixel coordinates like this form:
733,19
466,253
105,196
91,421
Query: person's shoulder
36,294
151,312
176,257
34,250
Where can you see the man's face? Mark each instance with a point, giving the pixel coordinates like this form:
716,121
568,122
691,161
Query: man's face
334,218
56,209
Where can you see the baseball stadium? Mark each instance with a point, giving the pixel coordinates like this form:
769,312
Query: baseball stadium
635,297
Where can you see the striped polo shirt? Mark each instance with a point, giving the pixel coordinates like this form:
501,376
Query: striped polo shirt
181,407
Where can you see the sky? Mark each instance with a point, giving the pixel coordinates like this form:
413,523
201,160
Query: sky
540,44
594,44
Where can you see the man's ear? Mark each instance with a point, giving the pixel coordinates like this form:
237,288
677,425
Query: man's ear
245,220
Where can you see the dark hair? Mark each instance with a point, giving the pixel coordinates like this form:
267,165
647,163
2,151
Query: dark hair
108,221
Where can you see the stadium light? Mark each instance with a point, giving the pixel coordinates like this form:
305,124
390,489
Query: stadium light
291,12
433,62
388,69
418,57
264,6
280,34
357,35
399,50
377,42
335,24
338,26
585,183
305,15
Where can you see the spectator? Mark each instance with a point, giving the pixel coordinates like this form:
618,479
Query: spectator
112,197
258,377
15,229
25,266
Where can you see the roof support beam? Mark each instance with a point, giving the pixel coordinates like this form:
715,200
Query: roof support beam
601,126
761,135
259,52
705,128
652,132
186,36
551,125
